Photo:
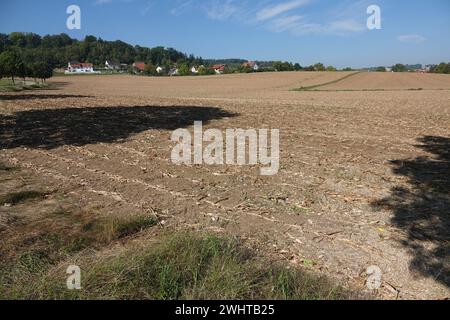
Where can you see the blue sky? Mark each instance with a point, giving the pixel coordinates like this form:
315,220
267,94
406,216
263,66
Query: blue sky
305,31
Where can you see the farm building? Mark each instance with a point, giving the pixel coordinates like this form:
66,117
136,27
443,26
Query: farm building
79,67
113,65
174,72
219,68
194,70
139,66
251,64
160,70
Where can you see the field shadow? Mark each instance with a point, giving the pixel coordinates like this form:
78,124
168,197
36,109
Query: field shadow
422,209
14,97
51,128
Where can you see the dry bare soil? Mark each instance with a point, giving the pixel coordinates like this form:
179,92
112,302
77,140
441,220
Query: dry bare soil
364,177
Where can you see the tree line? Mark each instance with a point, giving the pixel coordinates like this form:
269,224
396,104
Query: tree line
59,49
32,55
15,63
441,68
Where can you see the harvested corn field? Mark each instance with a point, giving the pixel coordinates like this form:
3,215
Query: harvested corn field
364,173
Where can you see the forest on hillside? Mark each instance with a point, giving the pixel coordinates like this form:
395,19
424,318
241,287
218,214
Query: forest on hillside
59,49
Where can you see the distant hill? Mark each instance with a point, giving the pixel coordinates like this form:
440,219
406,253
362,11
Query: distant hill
59,49
409,67
413,67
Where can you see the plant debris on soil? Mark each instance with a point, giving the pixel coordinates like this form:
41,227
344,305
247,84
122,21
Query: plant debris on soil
363,179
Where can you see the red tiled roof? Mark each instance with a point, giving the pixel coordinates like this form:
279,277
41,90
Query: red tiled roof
139,65
220,67
250,64
80,65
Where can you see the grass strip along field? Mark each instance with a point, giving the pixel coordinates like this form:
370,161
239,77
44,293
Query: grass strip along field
119,262
309,88
181,266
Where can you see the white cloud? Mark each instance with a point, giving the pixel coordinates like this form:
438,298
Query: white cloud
286,23
276,18
298,25
219,10
275,10
279,17
181,7
345,26
411,38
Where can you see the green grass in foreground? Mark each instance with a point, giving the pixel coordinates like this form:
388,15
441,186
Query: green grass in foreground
185,266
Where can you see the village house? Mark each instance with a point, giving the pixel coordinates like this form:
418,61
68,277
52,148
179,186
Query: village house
219,68
425,69
174,72
75,67
194,70
251,64
139,66
113,65
160,70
